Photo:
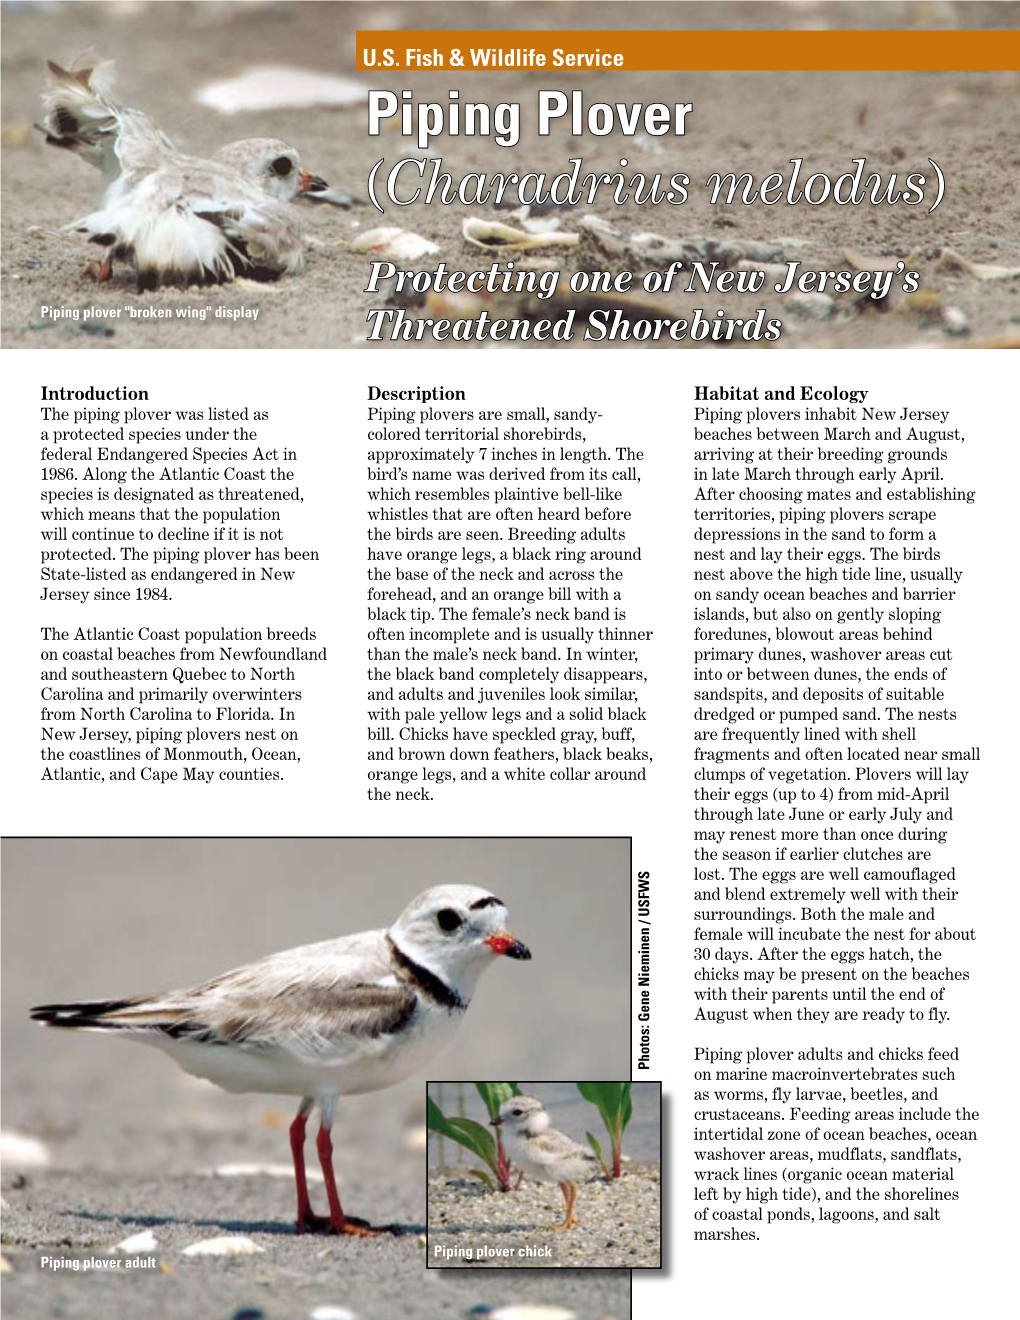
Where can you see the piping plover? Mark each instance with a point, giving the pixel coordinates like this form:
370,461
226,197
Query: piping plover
541,1152
179,219
343,1017
272,165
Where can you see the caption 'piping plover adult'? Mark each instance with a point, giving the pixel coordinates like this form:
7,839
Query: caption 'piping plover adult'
342,1017
178,219
542,1152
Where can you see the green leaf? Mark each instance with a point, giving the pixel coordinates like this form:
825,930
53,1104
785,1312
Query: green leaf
613,1101
628,1107
465,1131
480,1173
475,1136
434,1118
607,1098
593,1143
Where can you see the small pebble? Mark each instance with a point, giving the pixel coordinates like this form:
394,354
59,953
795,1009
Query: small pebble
332,1313
812,305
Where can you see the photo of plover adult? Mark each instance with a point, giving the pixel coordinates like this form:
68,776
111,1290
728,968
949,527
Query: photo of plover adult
343,1017
107,1148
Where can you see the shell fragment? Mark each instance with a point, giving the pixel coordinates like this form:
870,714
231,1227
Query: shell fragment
389,241
223,1246
494,234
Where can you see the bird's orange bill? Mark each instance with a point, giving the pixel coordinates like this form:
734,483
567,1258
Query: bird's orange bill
503,944
311,183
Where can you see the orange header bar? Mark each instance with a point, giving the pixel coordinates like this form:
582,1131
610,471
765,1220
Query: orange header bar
573,52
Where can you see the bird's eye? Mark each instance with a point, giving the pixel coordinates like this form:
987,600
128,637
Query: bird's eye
282,166
449,920
516,1113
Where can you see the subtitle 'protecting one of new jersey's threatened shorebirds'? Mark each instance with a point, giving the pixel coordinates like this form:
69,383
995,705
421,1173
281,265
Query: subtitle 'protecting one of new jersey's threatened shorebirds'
343,1017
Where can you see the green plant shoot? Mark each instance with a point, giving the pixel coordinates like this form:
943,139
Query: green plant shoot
475,1137
612,1100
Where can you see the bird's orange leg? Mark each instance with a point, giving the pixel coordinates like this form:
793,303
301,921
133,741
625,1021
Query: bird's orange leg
101,271
307,1219
339,1223
569,1191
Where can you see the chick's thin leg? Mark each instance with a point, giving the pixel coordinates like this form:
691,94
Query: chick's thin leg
569,1191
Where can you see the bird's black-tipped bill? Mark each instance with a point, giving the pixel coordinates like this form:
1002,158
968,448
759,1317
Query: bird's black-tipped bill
506,946
311,183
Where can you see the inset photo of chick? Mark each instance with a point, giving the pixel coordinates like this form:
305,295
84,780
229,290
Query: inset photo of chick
553,1173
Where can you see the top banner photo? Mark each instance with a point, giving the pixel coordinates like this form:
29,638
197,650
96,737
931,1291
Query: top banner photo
341,175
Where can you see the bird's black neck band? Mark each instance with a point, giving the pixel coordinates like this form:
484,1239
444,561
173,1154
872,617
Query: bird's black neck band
427,982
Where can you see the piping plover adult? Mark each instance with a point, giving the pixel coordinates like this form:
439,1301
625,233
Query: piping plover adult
542,1152
273,165
338,1018
178,219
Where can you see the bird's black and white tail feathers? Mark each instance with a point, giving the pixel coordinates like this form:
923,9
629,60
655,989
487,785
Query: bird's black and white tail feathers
153,1019
95,1014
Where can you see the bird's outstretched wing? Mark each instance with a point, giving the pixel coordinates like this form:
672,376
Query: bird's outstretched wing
81,116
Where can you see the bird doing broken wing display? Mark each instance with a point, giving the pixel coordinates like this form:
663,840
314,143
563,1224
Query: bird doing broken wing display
178,219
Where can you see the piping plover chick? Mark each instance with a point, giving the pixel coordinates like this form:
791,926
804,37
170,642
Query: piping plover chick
178,219
542,1152
338,1018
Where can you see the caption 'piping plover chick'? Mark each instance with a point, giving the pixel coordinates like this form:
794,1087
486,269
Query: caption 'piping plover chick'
342,1017
541,1151
178,219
